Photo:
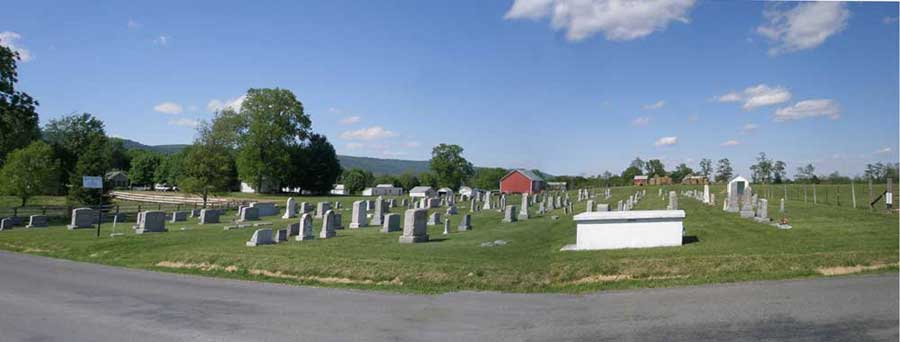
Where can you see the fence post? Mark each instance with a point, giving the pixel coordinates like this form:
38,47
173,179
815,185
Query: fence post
815,201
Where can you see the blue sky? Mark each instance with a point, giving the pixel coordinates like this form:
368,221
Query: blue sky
559,85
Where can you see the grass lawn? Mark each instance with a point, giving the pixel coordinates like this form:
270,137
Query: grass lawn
826,239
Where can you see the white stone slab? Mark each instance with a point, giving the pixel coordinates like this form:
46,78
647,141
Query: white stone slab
628,229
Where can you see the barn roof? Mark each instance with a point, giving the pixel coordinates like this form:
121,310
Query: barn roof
527,173
420,189
640,177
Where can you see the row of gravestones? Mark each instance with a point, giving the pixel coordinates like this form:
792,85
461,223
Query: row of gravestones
414,227
751,206
34,221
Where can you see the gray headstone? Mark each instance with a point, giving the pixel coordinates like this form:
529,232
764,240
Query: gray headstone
6,223
589,207
338,221
434,219
249,214
209,216
37,221
446,226
391,223
465,223
321,208
261,237
378,212
264,209
290,208
306,228
179,216
509,215
327,225
762,210
152,222
293,229
358,217
414,228
83,218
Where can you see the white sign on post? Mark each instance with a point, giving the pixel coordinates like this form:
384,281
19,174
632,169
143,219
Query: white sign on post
92,182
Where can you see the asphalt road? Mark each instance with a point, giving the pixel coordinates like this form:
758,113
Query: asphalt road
44,299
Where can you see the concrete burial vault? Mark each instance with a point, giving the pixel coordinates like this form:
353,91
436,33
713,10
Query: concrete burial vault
627,229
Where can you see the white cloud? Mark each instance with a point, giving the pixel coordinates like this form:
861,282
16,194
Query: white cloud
616,19
805,26
809,109
883,150
8,39
640,121
216,105
354,146
666,141
749,128
659,104
350,120
162,40
133,24
731,143
184,122
169,108
370,133
758,96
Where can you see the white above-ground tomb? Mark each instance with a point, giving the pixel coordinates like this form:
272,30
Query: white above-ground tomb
628,229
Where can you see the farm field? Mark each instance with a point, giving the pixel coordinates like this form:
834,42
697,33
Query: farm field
826,240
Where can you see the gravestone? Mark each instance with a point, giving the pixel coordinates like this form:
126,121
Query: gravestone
620,206
465,223
509,215
589,207
732,205
195,212
523,212
673,201
83,218
451,210
293,229
249,214
327,225
762,211
706,193
261,237
446,226
747,205
264,209
781,206
712,199
321,208
378,212
391,223
603,207
6,223
179,216
304,208
414,228
281,235
37,221
209,216
306,228
358,217
290,208
434,219
338,221
502,200
152,222
487,201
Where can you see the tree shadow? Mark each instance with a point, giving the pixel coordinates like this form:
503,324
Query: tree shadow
689,239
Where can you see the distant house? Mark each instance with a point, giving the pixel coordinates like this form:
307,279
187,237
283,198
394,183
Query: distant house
339,190
661,180
469,192
246,188
640,180
421,191
383,190
521,181
556,186
695,180
117,179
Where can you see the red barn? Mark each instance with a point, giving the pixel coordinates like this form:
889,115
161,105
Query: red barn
521,181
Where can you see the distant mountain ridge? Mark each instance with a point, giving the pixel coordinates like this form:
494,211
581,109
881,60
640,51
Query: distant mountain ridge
376,166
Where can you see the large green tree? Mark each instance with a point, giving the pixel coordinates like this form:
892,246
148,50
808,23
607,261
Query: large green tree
655,167
706,167
143,167
207,169
408,180
272,123
724,172
488,177
681,171
70,136
92,161
355,180
30,171
449,166
18,116
320,167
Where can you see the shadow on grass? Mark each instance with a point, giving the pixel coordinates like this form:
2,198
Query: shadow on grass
689,239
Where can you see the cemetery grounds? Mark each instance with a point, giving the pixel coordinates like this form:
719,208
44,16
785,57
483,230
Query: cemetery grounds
829,238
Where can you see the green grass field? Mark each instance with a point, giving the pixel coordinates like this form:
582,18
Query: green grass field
826,239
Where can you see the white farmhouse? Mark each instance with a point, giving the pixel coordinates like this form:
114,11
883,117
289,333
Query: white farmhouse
383,190
421,191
